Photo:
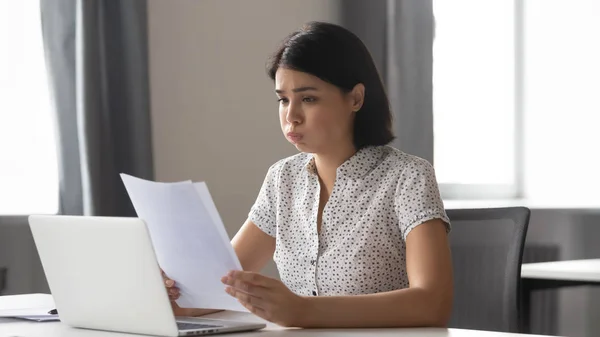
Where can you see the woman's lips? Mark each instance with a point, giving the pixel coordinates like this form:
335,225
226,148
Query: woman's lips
294,137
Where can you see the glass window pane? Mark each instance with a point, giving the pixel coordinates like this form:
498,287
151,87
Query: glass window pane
28,163
473,96
562,109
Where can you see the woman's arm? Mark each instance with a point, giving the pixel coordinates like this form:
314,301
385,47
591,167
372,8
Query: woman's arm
253,247
427,302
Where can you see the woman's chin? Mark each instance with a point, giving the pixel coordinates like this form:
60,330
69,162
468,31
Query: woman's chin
302,147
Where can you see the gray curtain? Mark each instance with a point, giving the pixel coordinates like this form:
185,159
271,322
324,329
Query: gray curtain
97,57
399,34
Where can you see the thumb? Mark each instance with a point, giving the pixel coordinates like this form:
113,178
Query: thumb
168,281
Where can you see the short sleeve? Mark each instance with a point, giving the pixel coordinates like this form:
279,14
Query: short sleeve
418,197
264,211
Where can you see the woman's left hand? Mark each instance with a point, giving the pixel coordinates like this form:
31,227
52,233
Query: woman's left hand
266,297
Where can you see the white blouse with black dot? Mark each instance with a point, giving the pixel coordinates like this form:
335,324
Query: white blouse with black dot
380,194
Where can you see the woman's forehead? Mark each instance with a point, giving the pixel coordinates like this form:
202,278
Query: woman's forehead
288,80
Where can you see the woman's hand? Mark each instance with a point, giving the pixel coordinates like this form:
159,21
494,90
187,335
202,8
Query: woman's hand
266,297
172,290
174,294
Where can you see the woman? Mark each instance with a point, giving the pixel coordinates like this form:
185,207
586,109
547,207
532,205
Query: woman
357,228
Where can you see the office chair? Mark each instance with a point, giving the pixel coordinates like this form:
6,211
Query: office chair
487,248
3,272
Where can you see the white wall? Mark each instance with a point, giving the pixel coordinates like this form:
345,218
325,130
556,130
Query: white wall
214,112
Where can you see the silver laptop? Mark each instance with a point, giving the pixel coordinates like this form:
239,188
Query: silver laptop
103,275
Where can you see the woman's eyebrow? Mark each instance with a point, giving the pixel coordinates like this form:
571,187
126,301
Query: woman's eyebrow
301,89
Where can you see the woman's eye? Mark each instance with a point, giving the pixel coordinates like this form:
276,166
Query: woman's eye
282,100
309,99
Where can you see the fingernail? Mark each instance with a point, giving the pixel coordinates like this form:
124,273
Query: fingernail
170,283
225,279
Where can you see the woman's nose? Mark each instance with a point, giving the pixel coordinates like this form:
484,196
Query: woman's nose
294,114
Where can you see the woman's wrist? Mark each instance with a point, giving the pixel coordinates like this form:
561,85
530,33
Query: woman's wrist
307,313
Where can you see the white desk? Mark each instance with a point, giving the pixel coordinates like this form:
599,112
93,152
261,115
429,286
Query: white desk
12,327
554,275
574,270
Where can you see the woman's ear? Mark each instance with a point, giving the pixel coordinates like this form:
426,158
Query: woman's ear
357,97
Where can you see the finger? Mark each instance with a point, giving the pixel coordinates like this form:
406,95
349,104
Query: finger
168,282
249,277
173,293
247,298
251,289
256,310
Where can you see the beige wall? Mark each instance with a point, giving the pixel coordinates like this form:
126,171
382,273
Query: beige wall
214,112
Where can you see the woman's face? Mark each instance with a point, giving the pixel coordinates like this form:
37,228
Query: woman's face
315,116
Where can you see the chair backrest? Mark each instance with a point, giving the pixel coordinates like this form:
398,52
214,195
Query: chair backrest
3,272
487,249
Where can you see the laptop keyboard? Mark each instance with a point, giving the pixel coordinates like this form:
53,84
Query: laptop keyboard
194,326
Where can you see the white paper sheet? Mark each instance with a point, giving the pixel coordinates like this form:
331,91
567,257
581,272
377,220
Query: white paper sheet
26,305
190,241
40,318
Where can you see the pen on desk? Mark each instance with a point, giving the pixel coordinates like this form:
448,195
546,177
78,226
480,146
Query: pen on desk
53,312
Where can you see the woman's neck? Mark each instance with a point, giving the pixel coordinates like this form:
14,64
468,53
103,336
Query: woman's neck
327,163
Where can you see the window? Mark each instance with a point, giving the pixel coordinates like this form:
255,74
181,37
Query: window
562,104
515,107
28,159
474,74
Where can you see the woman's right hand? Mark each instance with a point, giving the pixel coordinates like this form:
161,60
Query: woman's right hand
172,290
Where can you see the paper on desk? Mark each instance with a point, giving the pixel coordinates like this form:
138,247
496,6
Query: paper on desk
190,241
40,318
26,305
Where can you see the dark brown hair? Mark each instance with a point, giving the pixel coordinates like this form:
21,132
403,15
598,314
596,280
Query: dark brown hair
337,56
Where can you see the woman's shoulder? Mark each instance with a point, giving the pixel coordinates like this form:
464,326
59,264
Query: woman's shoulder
412,174
404,161
407,171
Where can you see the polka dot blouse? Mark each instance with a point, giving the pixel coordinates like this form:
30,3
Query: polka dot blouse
380,194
